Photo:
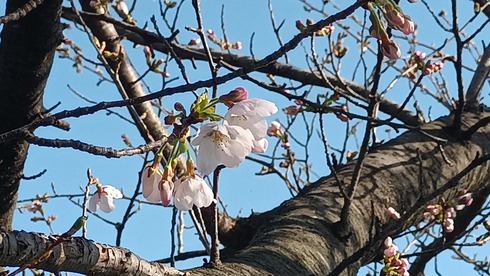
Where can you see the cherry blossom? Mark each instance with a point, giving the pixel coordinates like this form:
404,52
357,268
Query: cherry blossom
150,179
104,199
222,144
250,114
192,190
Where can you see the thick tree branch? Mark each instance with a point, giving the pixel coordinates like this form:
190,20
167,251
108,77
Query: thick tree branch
76,254
479,78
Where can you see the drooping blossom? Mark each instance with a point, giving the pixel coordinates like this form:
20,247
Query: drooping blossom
391,50
250,114
190,191
158,186
104,199
150,179
166,186
222,144
408,26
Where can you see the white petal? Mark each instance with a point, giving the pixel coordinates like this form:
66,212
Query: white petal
94,202
182,200
260,146
204,196
234,153
203,133
150,185
253,106
106,203
192,191
112,191
207,157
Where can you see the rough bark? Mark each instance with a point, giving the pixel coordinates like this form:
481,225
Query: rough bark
299,237
26,54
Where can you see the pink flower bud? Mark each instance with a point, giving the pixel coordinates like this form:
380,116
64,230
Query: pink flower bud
388,242
448,225
148,51
391,50
393,213
393,16
236,95
237,45
275,129
391,251
300,26
194,42
341,116
407,27
292,110
178,106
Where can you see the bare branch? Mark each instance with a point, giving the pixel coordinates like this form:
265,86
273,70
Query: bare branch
479,78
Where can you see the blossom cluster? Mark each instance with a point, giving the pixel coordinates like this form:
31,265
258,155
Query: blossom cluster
186,191
242,131
224,141
224,44
394,264
417,63
394,18
445,211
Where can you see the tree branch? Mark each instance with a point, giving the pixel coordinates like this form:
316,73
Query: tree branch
77,255
479,78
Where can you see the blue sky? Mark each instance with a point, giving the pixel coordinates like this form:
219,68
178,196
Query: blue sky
147,233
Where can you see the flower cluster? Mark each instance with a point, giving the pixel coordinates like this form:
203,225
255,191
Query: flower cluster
394,264
241,131
187,191
417,63
445,211
224,44
394,18
36,206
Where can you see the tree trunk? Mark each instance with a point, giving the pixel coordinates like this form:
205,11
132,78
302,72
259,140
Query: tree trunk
27,49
